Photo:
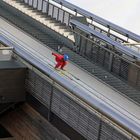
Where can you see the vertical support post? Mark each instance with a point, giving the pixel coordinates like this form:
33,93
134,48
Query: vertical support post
32,2
50,103
58,15
97,58
61,5
120,67
80,44
99,130
69,18
104,57
75,12
53,11
86,42
37,5
108,33
91,52
63,16
41,5
127,37
137,80
110,61
47,10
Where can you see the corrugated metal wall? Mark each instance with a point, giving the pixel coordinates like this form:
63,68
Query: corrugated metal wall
86,123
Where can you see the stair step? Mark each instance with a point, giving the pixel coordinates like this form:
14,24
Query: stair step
46,20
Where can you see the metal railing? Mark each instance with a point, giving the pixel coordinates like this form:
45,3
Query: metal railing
107,56
62,10
100,21
55,11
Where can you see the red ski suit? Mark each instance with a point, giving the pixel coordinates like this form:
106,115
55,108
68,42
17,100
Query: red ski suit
60,61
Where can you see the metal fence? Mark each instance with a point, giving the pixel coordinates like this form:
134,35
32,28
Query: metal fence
51,10
89,123
63,11
107,56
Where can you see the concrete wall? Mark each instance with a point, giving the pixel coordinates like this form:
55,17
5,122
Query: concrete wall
12,80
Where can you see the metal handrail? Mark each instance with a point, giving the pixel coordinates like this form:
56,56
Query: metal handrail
105,38
99,20
123,48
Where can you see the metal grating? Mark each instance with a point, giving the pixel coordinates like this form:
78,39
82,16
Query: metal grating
101,56
116,65
75,116
38,87
109,133
124,69
94,53
106,60
86,123
88,49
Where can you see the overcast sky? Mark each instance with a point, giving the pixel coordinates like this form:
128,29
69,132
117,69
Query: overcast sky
125,13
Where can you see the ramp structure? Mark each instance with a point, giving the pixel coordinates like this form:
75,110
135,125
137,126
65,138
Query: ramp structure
98,97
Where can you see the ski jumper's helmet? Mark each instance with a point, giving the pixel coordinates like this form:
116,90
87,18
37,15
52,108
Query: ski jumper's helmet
66,57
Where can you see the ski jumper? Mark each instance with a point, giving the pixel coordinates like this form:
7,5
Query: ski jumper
60,61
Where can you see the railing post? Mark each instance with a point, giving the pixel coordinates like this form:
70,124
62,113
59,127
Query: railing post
37,4
108,33
110,62
58,15
86,43
41,6
80,44
75,12
127,37
61,5
47,11
138,78
52,11
32,3
68,19
63,16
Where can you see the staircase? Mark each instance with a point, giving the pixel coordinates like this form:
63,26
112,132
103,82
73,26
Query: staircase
42,18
